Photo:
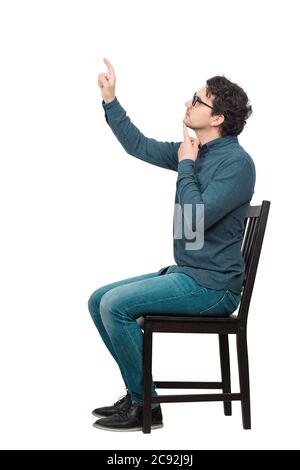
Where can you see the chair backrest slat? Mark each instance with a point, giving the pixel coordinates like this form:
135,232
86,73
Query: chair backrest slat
249,239
254,230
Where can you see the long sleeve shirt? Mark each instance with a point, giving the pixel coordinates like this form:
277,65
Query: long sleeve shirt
221,181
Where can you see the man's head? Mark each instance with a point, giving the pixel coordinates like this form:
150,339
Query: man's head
223,109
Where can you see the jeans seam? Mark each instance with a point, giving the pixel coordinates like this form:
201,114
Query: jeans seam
201,289
233,299
128,331
130,337
165,298
212,306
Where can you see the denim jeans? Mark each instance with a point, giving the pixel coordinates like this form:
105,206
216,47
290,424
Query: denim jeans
115,307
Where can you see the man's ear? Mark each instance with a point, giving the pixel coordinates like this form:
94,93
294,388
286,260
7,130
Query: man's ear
217,120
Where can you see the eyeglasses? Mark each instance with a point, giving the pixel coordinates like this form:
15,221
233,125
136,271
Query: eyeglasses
196,99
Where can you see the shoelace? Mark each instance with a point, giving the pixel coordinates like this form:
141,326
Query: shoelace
121,400
123,412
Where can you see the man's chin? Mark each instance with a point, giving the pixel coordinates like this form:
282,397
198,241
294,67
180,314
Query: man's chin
187,122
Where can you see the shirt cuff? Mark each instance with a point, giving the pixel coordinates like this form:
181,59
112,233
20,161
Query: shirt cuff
186,166
109,105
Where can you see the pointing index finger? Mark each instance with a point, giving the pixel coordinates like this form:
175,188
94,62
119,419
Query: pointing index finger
185,132
109,66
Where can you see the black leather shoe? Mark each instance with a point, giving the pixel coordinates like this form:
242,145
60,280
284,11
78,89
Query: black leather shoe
122,403
130,419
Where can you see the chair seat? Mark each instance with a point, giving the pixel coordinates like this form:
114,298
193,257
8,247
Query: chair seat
190,324
190,318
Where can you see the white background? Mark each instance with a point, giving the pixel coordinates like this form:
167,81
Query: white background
70,193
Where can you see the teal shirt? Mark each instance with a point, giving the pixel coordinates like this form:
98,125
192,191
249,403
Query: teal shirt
222,178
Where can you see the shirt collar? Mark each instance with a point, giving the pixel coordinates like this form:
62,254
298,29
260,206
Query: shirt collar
219,142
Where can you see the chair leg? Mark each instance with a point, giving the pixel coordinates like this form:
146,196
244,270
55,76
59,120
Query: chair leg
225,370
242,354
147,373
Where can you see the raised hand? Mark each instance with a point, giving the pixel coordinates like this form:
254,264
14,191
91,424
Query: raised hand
189,147
107,82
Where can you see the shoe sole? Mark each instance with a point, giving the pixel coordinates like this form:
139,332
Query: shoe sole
101,416
105,428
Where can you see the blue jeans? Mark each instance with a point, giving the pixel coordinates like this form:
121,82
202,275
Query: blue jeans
115,307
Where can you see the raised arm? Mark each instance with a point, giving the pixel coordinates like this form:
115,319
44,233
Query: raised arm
162,154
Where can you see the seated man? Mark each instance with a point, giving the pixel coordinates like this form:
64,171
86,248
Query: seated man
214,187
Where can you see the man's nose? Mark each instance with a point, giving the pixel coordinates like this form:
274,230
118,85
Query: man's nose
188,103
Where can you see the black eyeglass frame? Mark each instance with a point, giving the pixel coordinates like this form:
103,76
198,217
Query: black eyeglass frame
197,98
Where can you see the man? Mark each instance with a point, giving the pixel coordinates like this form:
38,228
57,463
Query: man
216,177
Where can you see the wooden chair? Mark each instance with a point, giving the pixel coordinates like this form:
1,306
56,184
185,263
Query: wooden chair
254,229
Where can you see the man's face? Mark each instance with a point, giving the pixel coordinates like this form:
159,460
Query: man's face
199,116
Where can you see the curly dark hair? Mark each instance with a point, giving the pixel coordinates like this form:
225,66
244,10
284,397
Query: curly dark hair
230,100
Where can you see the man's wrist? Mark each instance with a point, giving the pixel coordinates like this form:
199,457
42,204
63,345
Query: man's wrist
110,100
186,159
186,165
